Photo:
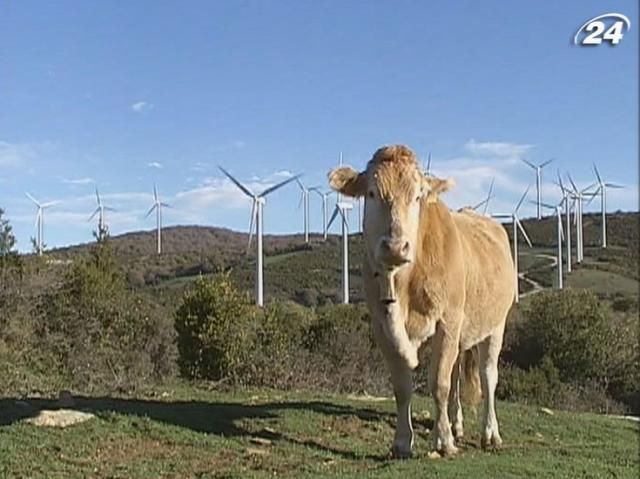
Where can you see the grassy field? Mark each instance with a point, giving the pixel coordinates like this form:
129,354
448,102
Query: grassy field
192,432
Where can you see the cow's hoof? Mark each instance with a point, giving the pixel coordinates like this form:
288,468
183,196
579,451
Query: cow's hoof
449,451
491,442
400,452
458,433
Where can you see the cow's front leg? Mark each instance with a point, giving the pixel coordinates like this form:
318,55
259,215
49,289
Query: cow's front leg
443,358
402,380
455,407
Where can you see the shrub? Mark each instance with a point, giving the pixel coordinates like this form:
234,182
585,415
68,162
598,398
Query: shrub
215,327
100,335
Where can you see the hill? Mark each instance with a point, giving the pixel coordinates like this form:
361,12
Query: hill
185,431
311,273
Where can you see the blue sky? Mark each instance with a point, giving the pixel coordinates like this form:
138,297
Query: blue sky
125,94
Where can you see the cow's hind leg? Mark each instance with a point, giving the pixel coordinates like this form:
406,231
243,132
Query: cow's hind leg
455,406
489,351
443,358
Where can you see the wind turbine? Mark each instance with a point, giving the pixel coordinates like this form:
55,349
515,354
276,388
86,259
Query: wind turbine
325,212
558,210
578,211
40,221
602,189
567,212
304,201
157,206
427,171
485,202
102,228
258,202
516,225
342,209
538,170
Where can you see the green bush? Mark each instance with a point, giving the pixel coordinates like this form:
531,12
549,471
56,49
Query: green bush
99,334
215,324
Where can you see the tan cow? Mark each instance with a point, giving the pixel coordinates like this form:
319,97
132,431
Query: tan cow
431,272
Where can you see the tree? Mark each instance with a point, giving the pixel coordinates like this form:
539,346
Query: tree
7,238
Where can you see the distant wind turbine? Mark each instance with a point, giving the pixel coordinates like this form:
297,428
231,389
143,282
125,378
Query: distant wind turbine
102,225
40,221
567,212
485,202
324,196
578,212
157,206
516,225
538,170
342,209
558,210
304,202
602,189
258,202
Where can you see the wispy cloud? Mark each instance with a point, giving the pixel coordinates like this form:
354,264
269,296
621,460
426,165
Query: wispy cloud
78,181
497,149
14,154
155,164
142,106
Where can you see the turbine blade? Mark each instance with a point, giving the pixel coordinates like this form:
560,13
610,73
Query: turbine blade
529,163
108,208
486,205
49,204
500,216
237,183
333,216
38,215
32,199
165,205
575,188
429,164
301,198
595,169
524,233
613,185
526,192
93,215
251,223
560,184
546,163
279,185
151,210
155,192
98,196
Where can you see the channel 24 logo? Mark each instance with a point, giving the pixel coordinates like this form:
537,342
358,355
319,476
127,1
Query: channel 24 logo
609,27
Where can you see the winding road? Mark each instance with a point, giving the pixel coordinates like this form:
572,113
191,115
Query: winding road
537,287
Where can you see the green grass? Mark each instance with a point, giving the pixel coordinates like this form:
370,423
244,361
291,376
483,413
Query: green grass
256,433
603,282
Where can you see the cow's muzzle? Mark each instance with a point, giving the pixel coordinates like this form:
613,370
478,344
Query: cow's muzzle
394,252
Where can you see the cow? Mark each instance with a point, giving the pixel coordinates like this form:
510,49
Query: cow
431,273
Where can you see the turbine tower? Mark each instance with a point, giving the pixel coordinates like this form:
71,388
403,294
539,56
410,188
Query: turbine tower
40,221
538,170
558,210
257,206
102,225
516,225
304,202
342,209
325,212
577,215
157,206
602,189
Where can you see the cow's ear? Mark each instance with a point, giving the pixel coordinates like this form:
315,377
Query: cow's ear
348,181
438,186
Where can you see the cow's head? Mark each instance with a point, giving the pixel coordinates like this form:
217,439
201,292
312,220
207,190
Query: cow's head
394,189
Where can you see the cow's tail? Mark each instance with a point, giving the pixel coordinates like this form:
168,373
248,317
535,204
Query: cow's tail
470,390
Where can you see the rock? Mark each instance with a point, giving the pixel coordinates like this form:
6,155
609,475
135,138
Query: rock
60,418
546,410
260,441
65,399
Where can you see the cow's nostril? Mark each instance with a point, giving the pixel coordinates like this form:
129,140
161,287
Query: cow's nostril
405,248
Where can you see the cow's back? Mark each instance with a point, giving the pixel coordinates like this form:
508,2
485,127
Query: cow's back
489,274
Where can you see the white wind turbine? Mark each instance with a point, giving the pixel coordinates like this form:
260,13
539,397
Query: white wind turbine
538,170
40,221
577,215
324,196
516,225
258,202
485,202
558,210
602,189
341,209
157,206
427,170
567,213
304,202
102,224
